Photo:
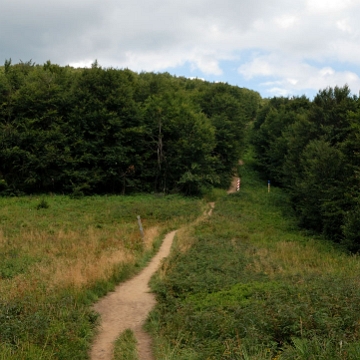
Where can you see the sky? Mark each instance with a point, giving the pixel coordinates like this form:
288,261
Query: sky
275,47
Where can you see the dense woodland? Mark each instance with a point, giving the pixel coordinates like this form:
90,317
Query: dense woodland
104,130
312,148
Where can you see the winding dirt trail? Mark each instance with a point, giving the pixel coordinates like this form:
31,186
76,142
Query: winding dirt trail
127,308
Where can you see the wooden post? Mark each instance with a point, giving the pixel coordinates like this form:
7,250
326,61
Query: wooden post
140,227
268,186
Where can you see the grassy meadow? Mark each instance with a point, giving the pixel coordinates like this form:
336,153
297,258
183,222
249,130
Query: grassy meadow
246,283
58,255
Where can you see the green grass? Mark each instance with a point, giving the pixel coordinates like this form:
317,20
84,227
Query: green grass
59,255
253,286
125,346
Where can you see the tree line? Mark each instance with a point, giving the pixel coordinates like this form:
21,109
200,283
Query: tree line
312,148
105,130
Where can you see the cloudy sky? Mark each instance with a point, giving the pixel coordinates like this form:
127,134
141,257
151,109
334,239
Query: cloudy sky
276,47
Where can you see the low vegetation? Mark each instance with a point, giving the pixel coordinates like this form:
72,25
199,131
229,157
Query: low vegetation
246,283
58,255
125,346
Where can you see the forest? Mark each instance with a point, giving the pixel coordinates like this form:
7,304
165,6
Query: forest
312,149
104,130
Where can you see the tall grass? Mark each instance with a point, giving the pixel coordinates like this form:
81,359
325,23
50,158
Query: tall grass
246,283
58,255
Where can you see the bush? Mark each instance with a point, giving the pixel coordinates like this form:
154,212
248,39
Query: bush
43,204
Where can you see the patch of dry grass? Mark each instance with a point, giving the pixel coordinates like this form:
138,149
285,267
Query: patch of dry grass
72,244
57,259
294,258
72,259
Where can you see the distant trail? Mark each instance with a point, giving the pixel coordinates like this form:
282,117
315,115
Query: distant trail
233,185
129,305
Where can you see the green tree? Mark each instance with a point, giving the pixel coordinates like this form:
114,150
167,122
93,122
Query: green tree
181,141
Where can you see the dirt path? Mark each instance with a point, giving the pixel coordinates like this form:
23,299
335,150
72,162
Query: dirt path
233,186
127,308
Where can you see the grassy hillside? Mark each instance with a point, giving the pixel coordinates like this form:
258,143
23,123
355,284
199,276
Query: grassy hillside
247,284
58,255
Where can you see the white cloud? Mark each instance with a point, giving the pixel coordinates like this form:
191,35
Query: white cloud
344,26
292,81
276,91
207,65
326,71
326,6
293,76
157,35
82,64
286,21
258,67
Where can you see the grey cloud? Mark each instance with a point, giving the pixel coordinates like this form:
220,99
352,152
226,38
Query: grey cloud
72,29
36,29
158,35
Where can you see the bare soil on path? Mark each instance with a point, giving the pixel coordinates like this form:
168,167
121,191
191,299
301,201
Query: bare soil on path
127,308
233,185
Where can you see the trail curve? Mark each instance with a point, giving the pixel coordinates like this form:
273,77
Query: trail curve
127,308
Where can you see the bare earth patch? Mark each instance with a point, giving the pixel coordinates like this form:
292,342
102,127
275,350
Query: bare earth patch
233,186
127,308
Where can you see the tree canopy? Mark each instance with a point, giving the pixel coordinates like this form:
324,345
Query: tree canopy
312,149
105,130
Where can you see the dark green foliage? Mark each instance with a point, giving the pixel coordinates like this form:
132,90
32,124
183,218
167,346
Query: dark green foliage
98,130
351,229
43,204
182,141
14,263
312,148
230,110
318,195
